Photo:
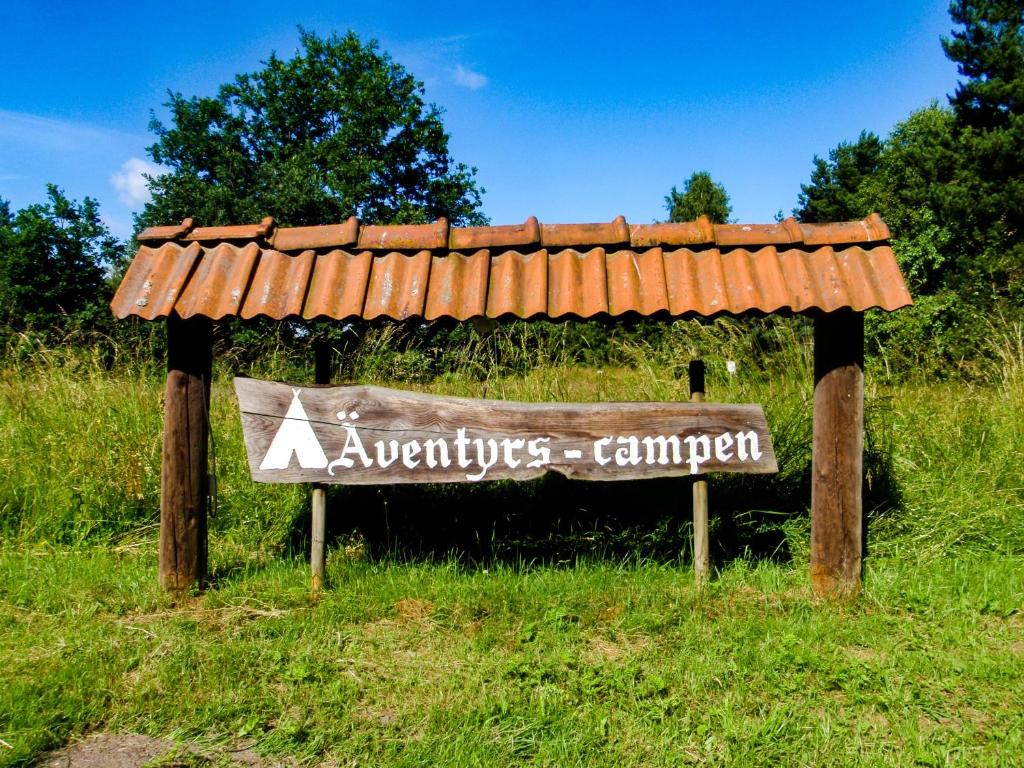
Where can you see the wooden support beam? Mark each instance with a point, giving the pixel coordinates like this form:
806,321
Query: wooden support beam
184,481
837,464
318,496
701,548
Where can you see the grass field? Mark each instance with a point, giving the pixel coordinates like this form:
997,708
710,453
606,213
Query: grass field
597,664
521,624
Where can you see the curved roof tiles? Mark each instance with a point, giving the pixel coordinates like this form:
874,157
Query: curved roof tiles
352,270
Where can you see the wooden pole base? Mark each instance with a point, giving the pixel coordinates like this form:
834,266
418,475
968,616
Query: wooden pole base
184,482
318,553
837,471
318,495
701,545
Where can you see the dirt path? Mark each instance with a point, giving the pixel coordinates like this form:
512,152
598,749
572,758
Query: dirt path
132,750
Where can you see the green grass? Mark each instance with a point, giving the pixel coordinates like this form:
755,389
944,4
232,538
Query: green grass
538,626
80,457
598,664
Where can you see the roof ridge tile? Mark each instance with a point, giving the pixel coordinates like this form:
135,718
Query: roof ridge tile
172,232
572,235
404,237
439,235
667,233
319,236
233,232
468,238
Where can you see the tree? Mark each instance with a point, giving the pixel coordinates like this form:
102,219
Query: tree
989,109
917,188
832,193
701,196
337,130
54,258
989,52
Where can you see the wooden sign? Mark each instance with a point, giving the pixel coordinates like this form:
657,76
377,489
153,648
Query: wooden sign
374,436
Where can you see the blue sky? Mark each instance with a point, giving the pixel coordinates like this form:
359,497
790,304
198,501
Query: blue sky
571,112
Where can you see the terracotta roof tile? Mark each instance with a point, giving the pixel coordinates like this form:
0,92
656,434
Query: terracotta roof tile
405,237
237,232
575,235
686,233
800,285
151,286
173,232
577,283
337,287
458,285
523,270
279,285
398,285
495,237
636,282
219,283
753,234
518,285
300,238
741,289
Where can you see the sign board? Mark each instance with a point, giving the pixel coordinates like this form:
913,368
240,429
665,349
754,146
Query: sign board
363,435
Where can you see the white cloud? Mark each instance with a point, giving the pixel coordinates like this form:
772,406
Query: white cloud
467,78
130,184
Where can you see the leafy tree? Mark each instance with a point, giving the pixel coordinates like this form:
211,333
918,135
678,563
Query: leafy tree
54,258
917,188
701,196
832,194
339,129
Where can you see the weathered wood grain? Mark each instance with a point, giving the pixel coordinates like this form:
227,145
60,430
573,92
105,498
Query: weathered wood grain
837,462
183,473
508,436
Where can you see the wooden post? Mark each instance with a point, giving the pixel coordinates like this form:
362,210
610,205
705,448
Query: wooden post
318,497
184,481
701,555
837,464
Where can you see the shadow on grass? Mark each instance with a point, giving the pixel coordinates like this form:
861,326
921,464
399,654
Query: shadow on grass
225,573
556,520
549,520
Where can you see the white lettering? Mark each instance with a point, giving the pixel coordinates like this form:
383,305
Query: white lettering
541,453
409,450
599,457
663,443
508,445
747,441
381,461
353,444
723,444
461,444
629,454
698,457
440,445
481,461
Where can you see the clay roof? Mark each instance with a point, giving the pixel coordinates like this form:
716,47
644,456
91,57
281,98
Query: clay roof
525,270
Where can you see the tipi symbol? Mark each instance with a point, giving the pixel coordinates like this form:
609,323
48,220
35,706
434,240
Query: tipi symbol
295,435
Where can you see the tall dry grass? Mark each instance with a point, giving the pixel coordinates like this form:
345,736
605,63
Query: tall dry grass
80,445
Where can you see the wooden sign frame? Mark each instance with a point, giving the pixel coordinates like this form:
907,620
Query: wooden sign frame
837,533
